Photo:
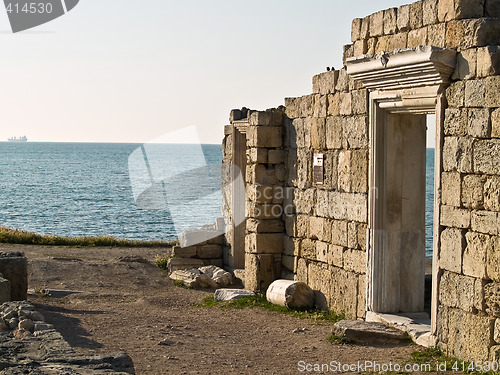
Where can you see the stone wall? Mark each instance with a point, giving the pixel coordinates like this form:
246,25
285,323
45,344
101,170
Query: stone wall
324,241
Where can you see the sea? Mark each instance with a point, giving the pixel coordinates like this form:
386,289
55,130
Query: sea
93,189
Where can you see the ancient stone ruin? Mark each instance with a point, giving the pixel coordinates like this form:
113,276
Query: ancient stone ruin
335,180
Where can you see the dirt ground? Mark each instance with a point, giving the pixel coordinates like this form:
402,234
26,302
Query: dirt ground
134,307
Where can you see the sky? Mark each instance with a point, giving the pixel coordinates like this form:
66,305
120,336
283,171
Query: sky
133,71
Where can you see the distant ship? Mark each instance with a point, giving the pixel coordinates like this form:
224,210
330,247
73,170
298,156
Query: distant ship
20,139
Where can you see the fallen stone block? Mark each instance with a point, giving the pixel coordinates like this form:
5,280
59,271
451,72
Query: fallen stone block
4,290
289,293
14,267
231,294
217,274
193,278
368,332
175,264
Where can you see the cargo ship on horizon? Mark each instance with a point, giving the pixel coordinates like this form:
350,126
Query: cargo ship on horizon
20,139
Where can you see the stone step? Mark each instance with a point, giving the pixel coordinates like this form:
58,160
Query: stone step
370,333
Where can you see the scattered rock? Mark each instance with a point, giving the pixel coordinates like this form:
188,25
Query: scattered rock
369,332
133,259
166,342
26,324
231,294
221,277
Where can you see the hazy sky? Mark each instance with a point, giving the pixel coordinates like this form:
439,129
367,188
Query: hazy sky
131,71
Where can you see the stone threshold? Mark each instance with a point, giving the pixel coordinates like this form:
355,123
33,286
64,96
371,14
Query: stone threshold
416,325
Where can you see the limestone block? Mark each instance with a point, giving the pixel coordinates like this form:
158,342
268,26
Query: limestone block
322,203
487,156
390,21
356,29
436,35
457,154
264,243
304,200
257,155
348,52
292,106
455,217
492,193
302,226
417,37
264,226
355,261
452,246
320,229
270,117
306,104
377,24
346,104
468,33
349,206
355,132
492,8
360,47
492,91
344,171
466,65
352,235
484,222
344,292
493,260
362,236
479,298
184,252
260,271
307,133
488,61
430,12
478,124
451,188
209,251
330,169
4,291
416,15
403,21
371,45
452,10
492,299
365,28
475,93
342,81
324,83
301,270
495,123
457,291
14,267
231,294
360,102
264,211
472,191
265,136
467,332
333,104
320,106
361,313
320,280
308,249
455,94
474,260
336,256
339,233
175,264
334,132
260,174
318,133
353,171
322,251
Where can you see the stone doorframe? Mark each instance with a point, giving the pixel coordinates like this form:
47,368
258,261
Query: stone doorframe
403,82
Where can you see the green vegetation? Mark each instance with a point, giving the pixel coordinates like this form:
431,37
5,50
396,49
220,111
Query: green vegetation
336,339
162,262
15,236
260,301
42,293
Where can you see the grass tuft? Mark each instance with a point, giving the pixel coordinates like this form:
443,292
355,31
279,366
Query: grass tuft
259,301
15,236
339,340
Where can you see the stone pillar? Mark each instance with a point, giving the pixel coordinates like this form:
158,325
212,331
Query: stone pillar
265,175
14,267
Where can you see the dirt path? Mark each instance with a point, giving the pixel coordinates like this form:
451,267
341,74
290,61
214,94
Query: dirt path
134,307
